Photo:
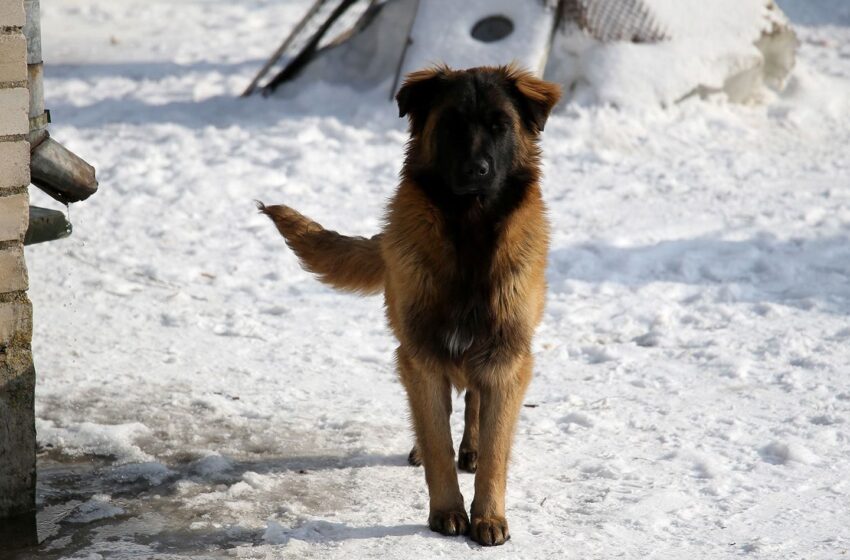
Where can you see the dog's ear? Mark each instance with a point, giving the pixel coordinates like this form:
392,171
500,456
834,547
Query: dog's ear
417,94
535,97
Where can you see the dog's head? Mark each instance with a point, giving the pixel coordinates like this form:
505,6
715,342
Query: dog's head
473,128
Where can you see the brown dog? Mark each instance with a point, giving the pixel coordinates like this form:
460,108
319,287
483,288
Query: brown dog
461,263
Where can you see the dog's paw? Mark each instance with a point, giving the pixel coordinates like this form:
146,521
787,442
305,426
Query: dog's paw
451,523
467,460
413,458
490,531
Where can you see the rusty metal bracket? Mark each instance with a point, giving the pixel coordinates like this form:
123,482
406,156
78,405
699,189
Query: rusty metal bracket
40,121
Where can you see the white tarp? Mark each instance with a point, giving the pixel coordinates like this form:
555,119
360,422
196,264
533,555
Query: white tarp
442,33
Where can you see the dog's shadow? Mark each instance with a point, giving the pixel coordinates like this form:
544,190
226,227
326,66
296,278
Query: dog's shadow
321,531
64,487
310,463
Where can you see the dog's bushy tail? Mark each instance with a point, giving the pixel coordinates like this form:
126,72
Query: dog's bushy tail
353,264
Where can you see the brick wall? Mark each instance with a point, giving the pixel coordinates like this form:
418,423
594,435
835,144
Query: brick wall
17,376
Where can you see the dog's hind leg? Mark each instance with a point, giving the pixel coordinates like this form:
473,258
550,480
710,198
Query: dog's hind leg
500,406
429,394
467,455
467,458
414,459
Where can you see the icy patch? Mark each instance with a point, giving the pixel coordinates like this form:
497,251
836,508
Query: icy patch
99,507
153,474
275,533
212,467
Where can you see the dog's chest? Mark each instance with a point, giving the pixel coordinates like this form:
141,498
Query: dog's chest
468,316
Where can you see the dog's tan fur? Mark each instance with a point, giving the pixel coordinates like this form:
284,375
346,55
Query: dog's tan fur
412,261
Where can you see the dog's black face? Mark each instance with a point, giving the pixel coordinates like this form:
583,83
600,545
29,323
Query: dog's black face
473,135
472,129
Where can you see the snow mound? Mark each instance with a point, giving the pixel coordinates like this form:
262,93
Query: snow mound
731,46
89,438
635,52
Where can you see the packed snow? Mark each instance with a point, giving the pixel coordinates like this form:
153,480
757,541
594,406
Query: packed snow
199,395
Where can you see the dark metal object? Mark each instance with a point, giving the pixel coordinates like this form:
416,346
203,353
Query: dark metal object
282,48
60,173
407,44
299,62
32,31
46,225
492,29
35,70
54,168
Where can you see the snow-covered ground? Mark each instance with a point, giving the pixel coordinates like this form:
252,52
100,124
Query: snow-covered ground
201,396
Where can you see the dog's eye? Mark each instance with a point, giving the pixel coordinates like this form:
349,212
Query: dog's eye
497,126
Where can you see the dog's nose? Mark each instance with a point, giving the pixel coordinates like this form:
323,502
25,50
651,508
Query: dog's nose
478,168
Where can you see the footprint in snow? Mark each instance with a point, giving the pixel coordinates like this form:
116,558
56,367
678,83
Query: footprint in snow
781,453
597,355
576,419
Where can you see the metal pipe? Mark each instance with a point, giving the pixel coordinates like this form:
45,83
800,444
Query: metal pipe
53,168
61,173
35,70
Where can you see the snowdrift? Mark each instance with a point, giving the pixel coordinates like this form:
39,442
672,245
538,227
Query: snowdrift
619,52
737,47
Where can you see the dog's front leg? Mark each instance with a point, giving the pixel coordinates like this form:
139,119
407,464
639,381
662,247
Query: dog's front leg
429,393
500,406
